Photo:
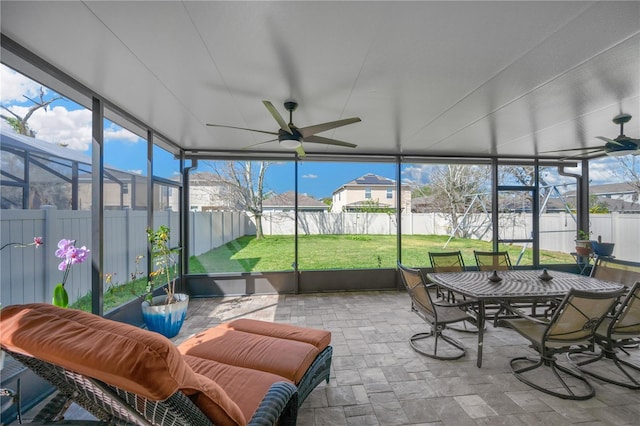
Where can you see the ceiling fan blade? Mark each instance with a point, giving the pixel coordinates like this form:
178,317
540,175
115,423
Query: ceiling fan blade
574,149
319,128
300,151
584,155
274,112
327,141
242,128
259,143
613,141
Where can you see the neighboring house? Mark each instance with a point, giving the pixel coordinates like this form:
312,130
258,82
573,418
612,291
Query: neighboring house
370,191
616,191
618,197
286,202
209,192
429,204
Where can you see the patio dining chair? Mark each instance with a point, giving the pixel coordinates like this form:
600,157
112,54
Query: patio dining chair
613,334
570,329
438,313
492,260
450,261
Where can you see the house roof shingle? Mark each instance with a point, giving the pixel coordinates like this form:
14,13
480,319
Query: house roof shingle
287,200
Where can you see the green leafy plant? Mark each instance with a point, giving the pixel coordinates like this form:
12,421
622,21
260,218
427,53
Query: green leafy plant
583,235
165,260
131,287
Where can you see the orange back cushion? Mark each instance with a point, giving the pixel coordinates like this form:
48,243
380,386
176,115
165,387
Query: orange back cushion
136,360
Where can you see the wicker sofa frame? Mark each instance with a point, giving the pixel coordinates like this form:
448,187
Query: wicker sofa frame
316,374
115,406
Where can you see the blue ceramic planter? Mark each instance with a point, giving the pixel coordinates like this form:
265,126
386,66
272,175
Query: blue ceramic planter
165,319
602,249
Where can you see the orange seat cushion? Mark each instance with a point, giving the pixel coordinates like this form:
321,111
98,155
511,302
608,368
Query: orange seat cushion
136,360
318,338
245,386
286,358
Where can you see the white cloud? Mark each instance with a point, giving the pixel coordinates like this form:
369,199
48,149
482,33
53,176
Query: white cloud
603,170
14,86
55,124
116,133
59,125
417,174
310,176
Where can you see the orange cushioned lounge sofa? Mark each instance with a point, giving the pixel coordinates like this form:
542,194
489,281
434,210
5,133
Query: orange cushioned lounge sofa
238,373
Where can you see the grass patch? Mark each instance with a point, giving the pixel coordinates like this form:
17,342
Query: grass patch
276,253
114,296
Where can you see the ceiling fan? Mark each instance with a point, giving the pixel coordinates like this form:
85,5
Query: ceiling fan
291,137
621,145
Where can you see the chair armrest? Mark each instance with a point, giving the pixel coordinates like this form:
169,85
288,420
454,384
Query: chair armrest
280,402
447,304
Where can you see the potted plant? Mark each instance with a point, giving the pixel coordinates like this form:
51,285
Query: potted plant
602,249
165,313
583,244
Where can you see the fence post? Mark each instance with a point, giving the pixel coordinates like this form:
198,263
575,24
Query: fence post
50,225
130,243
212,227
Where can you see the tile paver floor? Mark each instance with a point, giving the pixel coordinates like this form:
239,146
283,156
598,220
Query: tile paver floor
377,379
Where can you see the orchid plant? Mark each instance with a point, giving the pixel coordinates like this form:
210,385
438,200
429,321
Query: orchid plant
70,255
37,241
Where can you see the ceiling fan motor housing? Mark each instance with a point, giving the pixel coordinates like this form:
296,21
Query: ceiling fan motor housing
290,141
290,105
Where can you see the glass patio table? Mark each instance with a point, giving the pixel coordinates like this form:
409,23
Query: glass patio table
514,286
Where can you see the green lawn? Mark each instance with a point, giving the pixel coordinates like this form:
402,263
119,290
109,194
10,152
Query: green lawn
276,253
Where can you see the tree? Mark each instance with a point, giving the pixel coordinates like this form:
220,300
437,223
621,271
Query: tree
19,123
245,183
629,171
454,187
525,176
421,191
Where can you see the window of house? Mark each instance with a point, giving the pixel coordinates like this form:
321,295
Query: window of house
389,193
367,193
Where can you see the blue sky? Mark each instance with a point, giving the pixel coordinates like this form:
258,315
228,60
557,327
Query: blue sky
69,123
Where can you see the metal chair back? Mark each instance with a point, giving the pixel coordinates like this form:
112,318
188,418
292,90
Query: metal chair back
447,261
492,260
421,301
578,317
626,322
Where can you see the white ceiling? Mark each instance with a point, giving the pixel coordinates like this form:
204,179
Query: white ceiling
429,78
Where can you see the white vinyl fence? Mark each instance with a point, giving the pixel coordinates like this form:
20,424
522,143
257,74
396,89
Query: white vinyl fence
557,230
29,274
